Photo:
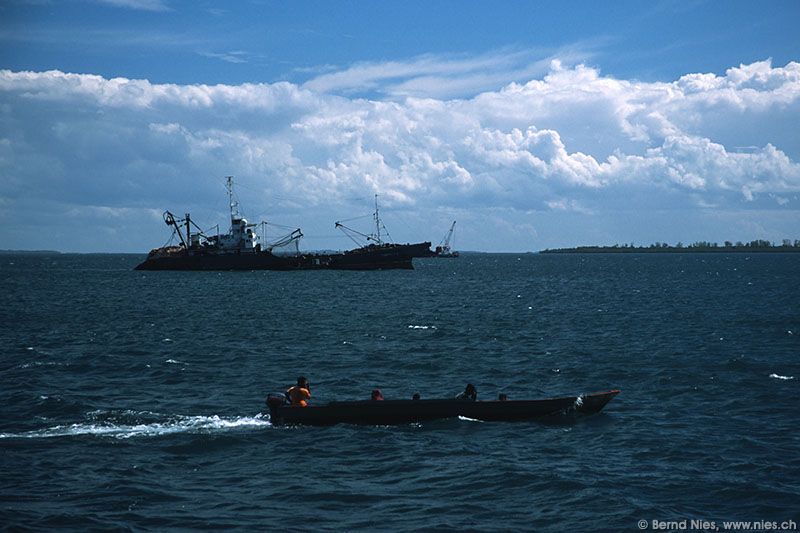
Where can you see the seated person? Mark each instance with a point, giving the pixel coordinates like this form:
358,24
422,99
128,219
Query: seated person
300,393
470,393
377,395
416,396
503,397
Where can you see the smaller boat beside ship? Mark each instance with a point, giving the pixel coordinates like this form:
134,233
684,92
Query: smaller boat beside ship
241,249
444,249
388,412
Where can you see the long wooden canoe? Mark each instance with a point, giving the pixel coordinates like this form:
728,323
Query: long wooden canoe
407,411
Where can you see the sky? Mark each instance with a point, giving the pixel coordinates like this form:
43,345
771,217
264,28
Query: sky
532,124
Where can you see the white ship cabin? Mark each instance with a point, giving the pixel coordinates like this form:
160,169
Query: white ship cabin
241,237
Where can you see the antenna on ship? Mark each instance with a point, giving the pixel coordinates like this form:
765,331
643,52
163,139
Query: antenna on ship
234,204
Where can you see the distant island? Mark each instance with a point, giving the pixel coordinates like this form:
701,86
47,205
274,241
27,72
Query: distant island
28,252
700,246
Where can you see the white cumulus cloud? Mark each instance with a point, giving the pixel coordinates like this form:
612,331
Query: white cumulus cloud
569,141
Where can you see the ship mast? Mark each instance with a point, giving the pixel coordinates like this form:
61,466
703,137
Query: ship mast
234,204
378,225
377,222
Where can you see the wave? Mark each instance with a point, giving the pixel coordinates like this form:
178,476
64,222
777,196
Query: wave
776,376
40,363
171,425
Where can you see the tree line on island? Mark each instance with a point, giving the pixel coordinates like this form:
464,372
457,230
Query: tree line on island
759,245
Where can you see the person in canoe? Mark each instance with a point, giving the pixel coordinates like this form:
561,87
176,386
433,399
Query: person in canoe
377,395
470,393
300,393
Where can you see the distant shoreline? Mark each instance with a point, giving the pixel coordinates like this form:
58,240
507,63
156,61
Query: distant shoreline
29,252
671,250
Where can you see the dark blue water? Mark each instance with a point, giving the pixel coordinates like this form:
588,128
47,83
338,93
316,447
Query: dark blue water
135,399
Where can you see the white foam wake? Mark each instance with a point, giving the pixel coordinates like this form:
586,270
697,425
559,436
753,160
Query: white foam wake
776,376
174,424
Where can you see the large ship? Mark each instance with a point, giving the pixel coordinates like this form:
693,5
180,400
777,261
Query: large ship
241,249
375,242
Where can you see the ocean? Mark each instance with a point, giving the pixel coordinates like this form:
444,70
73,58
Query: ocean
135,400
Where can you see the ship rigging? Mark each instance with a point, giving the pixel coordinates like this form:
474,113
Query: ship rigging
371,238
241,248
376,241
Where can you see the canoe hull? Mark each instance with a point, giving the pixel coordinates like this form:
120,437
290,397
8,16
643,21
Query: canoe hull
391,412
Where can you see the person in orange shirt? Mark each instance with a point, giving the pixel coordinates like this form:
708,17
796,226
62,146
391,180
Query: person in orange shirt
300,393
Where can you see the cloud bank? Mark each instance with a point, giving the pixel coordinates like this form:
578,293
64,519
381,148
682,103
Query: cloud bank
517,160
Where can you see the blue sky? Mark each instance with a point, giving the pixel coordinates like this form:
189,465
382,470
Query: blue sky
535,124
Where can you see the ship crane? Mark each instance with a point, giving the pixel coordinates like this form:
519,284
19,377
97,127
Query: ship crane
350,232
170,220
446,242
288,239
444,250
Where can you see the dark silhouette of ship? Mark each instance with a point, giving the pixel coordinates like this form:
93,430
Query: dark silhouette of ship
241,249
375,242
